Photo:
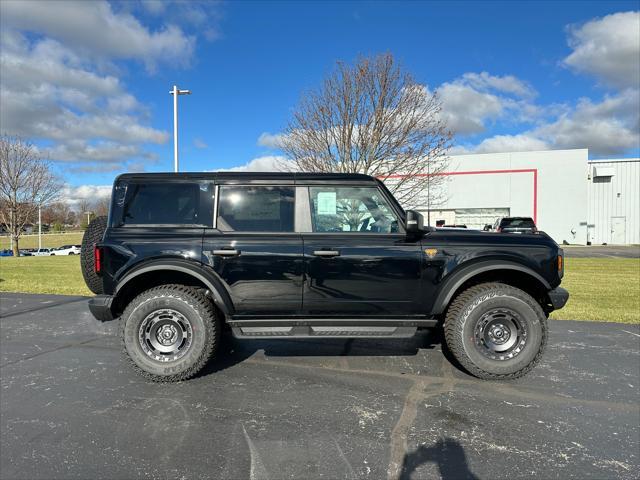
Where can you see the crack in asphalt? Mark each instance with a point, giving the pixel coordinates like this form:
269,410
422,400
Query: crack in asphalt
44,352
42,307
415,394
483,385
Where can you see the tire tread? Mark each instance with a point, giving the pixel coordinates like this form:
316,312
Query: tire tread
92,235
196,300
453,328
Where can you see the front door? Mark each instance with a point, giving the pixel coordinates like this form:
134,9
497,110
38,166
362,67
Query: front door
254,250
357,261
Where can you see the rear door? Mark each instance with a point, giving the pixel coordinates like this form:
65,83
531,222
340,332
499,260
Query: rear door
357,259
254,249
156,218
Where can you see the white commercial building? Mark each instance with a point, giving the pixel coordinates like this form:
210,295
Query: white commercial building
571,198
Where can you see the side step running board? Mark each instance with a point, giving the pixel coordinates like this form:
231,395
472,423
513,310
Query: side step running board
305,331
328,327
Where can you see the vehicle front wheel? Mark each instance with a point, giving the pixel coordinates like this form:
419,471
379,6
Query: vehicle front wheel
169,333
496,331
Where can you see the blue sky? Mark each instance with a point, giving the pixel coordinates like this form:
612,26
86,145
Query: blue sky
512,75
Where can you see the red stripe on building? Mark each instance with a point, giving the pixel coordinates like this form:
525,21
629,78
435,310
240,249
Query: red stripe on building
485,172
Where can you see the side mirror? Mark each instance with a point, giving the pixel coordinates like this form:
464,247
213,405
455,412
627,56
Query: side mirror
414,222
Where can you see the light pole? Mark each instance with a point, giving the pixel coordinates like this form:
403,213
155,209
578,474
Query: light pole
175,92
39,227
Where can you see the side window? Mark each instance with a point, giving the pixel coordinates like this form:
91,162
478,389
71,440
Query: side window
166,203
351,209
255,209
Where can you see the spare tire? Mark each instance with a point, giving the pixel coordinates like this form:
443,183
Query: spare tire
92,235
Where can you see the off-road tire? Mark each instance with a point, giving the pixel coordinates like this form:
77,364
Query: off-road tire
92,235
198,310
467,310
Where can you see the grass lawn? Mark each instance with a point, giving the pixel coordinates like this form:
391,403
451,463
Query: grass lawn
59,275
49,240
601,289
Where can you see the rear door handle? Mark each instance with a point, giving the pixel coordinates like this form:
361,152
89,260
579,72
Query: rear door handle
326,253
227,252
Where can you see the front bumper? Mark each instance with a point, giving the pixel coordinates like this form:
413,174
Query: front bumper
558,297
100,307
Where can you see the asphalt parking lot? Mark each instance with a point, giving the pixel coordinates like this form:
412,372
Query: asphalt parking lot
70,408
599,251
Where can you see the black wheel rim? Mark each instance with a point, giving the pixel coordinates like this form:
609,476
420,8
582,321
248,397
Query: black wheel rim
165,335
500,334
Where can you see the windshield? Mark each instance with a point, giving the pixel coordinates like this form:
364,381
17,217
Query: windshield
518,222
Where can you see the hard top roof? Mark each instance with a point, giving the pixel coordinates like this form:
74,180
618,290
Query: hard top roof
254,176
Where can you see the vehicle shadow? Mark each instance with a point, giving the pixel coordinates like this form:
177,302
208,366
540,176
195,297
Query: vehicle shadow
233,351
447,454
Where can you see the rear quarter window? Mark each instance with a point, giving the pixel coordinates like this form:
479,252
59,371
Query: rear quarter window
164,203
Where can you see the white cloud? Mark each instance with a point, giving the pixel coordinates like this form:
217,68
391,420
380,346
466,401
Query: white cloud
92,27
608,48
91,193
511,143
48,93
270,140
508,84
608,127
199,143
155,7
60,63
466,110
269,163
474,100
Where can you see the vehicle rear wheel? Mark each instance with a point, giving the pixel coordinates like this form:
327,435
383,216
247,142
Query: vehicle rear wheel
496,331
92,235
169,333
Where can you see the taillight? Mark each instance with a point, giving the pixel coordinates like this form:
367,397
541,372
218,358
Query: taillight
97,259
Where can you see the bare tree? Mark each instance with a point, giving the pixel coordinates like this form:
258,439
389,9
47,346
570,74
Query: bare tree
101,206
26,181
57,212
83,209
373,118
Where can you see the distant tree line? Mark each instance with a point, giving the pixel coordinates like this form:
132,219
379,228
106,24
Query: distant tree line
28,183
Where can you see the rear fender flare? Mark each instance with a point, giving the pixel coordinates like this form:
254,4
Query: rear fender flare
214,285
453,282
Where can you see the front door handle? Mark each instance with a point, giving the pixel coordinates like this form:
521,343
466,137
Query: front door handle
227,252
326,253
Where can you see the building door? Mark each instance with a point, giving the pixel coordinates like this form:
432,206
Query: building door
618,227
479,217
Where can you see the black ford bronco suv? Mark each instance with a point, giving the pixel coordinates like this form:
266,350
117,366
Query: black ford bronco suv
293,255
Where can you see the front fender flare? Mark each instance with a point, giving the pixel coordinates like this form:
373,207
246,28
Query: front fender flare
454,281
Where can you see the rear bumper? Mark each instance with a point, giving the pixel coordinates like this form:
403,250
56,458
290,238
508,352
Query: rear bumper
100,307
558,297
